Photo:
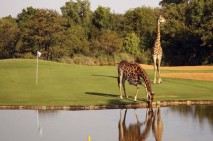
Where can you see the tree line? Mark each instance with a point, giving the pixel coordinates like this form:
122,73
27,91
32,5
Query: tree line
80,35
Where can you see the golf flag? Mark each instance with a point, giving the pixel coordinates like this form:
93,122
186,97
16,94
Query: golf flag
38,53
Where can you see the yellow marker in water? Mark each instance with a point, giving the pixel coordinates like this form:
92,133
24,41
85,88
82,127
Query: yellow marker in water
89,138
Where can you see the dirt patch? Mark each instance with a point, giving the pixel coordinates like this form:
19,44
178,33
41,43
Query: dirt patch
149,67
195,76
189,68
180,67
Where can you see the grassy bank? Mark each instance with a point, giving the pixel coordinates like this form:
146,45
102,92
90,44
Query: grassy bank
64,84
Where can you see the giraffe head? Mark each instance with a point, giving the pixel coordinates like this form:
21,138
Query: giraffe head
161,19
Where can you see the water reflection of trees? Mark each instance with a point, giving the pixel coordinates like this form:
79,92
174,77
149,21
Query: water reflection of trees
134,132
200,112
41,114
48,113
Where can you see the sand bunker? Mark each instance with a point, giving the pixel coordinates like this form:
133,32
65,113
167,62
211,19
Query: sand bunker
195,76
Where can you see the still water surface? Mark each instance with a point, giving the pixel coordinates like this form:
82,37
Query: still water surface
179,123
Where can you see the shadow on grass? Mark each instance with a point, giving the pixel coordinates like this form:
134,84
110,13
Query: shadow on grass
116,98
106,76
125,101
101,94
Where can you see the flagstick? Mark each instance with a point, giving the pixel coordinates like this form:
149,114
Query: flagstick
37,71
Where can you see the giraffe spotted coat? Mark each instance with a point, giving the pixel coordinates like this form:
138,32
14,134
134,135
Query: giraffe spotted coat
135,75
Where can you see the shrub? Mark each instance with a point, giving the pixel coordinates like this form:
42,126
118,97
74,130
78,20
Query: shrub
83,60
28,55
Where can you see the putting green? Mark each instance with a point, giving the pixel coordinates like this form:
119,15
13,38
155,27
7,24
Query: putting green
70,84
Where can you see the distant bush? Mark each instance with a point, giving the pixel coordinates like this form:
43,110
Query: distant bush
144,57
100,60
123,56
84,60
28,55
66,60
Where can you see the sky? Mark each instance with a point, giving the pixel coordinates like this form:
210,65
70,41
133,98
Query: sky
14,7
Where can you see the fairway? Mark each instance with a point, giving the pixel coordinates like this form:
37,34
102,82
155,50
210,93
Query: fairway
70,84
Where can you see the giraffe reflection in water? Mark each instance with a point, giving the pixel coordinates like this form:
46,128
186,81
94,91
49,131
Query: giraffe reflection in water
140,131
157,126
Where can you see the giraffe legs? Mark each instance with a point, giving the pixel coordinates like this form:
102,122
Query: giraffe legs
157,68
147,95
159,61
136,92
121,84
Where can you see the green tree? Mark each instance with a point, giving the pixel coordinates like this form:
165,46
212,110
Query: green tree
42,31
176,35
131,44
186,36
186,41
102,18
207,25
25,15
108,43
77,12
8,37
200,17
78,15
117,24
167,2
76,42
194,13
141,21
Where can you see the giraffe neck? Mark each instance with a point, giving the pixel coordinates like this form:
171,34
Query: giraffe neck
146,79
158,31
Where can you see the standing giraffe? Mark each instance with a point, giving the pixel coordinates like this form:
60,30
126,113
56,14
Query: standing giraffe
135,75
157,51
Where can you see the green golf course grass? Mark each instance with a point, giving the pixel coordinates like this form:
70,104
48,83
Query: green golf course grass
70,84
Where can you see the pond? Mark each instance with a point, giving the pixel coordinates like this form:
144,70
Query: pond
176,123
